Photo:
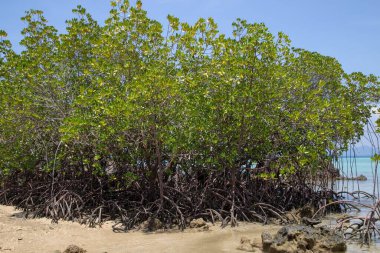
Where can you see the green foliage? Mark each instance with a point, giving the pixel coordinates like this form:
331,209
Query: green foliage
376,157
147,100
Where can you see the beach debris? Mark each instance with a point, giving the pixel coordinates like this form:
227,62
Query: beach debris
292,216
300,238
74,249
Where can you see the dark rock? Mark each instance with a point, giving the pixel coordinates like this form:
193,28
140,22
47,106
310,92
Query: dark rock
299,238
359,178
333,243
74,249
310,221
151,224
306,211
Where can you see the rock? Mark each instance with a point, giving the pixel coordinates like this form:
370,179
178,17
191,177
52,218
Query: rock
359,178
300,238
74,249
151,224
247,245
267,240
306,211
200,224
197,223
310,221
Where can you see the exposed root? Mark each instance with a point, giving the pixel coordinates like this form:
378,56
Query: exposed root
93,200
352,226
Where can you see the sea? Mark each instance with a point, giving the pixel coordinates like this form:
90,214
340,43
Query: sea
354,167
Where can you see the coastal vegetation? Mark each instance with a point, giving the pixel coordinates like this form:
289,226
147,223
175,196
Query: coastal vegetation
134,120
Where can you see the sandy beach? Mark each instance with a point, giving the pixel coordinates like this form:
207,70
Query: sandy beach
21,235
41,235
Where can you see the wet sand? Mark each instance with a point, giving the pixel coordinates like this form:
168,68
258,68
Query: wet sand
40,235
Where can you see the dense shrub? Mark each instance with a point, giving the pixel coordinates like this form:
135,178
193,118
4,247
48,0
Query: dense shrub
128,115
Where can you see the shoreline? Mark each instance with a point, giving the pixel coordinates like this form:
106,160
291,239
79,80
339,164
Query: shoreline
41,235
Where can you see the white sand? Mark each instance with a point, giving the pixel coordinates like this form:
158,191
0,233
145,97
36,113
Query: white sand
40,235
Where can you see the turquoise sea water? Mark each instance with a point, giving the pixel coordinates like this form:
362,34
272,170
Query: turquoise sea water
353,167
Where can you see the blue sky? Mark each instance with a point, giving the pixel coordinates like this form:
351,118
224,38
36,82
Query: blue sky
348,30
